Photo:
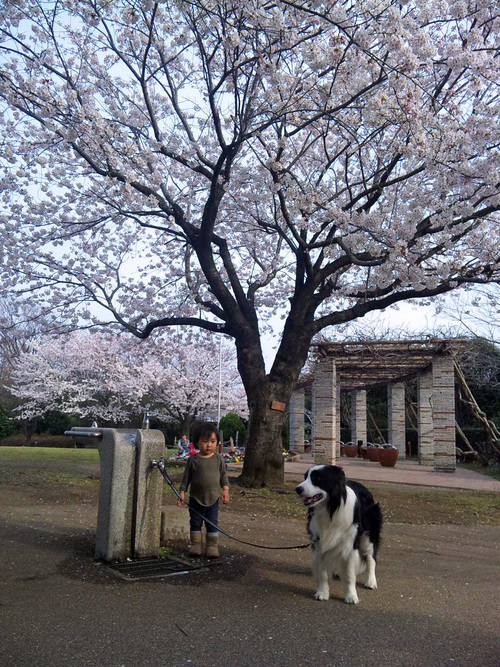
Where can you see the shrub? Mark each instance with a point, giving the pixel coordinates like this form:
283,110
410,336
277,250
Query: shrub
232,423
6,425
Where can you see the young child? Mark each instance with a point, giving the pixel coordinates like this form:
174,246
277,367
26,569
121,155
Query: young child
205,473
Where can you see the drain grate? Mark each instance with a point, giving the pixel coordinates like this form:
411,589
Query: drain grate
153,568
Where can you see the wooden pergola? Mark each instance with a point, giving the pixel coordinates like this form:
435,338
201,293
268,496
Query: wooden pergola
357,366
365,364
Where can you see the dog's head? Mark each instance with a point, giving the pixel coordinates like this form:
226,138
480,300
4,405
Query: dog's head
323,483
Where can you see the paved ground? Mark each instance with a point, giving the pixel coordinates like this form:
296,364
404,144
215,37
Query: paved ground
437,602
405,472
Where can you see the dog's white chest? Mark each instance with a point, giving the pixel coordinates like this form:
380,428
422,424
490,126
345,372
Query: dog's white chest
335,534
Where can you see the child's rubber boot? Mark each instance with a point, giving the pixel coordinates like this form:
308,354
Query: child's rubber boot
195,544
212,545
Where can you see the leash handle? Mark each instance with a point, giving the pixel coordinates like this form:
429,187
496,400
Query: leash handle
161,467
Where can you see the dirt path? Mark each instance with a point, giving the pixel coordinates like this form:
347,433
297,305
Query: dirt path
437,602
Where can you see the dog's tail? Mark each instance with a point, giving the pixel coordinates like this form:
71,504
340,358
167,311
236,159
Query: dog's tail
372,520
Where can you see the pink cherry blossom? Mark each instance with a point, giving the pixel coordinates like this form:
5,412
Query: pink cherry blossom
113,378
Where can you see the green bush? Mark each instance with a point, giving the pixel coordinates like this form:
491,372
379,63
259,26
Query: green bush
6,425
232,423
54,423
19,440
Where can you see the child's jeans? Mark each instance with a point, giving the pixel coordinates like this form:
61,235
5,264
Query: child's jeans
210,513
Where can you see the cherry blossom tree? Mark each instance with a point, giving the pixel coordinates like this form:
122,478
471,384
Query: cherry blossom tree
211,164
90,376
192,379
478,315
21,325
112,378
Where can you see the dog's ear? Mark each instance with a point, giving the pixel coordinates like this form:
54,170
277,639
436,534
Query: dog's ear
335,476
336,488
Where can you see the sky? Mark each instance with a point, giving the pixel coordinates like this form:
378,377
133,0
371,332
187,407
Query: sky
417,320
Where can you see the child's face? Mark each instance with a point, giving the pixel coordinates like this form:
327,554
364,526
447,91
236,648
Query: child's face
207,444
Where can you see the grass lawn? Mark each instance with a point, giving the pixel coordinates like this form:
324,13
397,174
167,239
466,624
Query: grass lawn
55,455
51,455
401,503
490,471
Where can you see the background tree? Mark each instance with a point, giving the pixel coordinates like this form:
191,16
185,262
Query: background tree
21,325
86,375
478,382
112,378
210,164
180,376
477,315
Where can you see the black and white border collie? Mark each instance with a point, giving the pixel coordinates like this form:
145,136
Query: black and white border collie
344,524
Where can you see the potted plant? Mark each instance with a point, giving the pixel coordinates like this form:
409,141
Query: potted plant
372,452
351,450
388,455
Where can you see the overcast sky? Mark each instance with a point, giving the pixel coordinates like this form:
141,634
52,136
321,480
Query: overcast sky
418,320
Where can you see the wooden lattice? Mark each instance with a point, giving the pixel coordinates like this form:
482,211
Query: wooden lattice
364,364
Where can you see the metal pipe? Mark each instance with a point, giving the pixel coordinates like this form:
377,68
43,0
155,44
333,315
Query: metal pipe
220,381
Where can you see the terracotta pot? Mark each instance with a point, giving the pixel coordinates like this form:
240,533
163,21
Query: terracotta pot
388,456
372,453
351,451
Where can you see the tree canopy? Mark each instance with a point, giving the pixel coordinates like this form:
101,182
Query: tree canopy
213,163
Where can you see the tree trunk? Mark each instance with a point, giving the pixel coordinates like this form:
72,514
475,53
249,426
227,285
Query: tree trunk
375,425
269,394
268,401
28,428
263,462
470,448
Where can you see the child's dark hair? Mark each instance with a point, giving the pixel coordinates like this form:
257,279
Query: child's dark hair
205,429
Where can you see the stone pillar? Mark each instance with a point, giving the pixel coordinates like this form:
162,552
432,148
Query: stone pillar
337,422
443,413
397,416
424,419
150,445
130,491
324,411
115,516
358,416
297,408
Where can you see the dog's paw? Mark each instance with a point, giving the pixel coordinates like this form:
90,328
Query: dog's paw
351,598
321,595
371,584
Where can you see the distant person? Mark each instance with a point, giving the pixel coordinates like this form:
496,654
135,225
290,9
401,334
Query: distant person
183,444
205,475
